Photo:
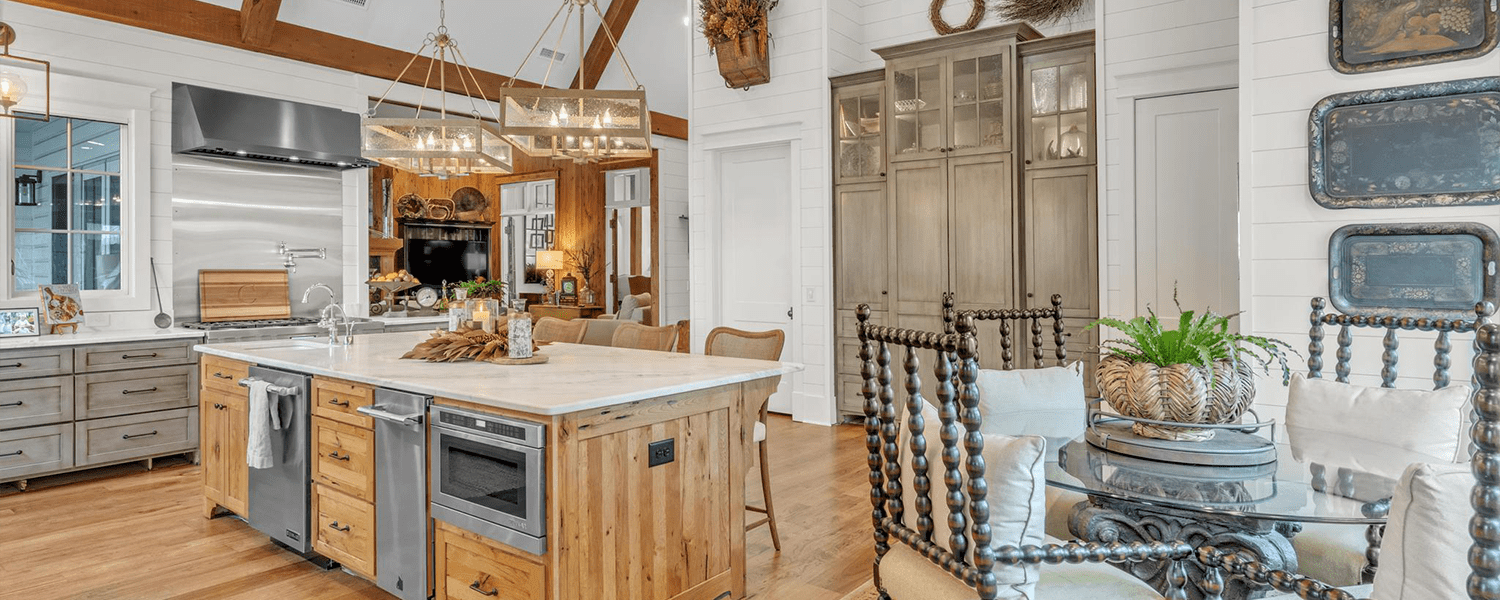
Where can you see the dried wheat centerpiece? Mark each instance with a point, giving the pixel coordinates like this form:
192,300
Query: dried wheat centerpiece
471,344
1199,373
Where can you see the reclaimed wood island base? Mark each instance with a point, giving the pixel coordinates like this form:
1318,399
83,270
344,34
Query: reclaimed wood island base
616,526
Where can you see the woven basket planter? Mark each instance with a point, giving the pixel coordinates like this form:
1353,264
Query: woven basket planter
1178,393
743,62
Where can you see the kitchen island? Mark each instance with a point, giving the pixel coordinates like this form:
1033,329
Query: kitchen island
644,453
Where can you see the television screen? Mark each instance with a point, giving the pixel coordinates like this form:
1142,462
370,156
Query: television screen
435,261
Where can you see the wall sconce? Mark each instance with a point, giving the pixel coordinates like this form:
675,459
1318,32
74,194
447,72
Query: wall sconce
13,88
26,189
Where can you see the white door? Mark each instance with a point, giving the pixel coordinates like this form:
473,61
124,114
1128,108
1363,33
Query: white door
1187,202
756,258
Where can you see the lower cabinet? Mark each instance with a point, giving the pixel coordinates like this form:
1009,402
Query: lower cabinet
344,529
35,450
224,424
343,458
114,439
471,567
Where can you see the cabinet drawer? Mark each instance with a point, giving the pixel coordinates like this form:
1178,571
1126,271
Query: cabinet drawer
116,393
344,530
848,360
135,436
470,569
35,450
37,362
851,399
36,402
223,374
344,458
340,401
133,355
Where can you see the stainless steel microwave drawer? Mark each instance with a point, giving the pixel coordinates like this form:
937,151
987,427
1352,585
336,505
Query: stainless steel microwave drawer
133,355
40,401
115,393
35,362
34,450
118,439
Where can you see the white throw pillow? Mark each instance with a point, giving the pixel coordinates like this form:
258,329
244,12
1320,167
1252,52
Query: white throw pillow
1431,422
1424,555
1014,470
1048,402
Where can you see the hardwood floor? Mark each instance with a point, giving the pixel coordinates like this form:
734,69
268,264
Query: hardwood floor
141,535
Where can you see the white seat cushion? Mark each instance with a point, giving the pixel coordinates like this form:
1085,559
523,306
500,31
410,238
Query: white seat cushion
760,432
1332,554
1359,591
1424,555
1431,422
906,575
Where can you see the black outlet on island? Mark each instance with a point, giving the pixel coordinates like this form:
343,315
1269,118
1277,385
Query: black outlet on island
662,452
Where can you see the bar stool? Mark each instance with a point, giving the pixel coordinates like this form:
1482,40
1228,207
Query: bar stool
764,345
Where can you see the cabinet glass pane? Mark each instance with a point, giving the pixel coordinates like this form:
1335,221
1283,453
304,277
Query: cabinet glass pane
991,77
859,157
1074,86
965,81
869,114
1073,136
1044,91
931,130
965,125
992,123
1043,136
930,85
848,118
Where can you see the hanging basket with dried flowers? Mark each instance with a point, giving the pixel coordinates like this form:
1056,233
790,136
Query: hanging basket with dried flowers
739,33
935,14
1038,11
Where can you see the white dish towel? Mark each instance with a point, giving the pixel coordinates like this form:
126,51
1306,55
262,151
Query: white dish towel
263,419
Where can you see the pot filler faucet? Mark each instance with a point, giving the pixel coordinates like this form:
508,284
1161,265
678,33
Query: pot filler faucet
326,318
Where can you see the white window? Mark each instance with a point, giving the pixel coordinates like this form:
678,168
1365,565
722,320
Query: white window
67,204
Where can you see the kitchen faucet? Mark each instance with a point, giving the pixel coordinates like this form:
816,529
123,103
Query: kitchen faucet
326,316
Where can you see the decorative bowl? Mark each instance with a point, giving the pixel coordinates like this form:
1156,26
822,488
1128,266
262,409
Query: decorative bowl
1178,393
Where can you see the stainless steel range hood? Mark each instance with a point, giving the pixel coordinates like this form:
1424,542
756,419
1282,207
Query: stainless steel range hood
210,122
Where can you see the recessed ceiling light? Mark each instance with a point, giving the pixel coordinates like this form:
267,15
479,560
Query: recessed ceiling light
239,152
295,159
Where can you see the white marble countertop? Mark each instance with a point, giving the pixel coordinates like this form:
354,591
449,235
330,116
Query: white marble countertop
86,336
576,377
425,320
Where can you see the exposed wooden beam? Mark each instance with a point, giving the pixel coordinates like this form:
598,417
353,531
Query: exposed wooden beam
218,25
258,20
616,18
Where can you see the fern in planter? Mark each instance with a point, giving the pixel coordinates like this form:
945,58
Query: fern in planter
1199,340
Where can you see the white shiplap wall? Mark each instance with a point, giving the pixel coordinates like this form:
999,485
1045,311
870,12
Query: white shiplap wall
1286,71
672,185
812,41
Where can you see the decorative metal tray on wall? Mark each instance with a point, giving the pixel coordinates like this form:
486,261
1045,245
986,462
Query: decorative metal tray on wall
1427,270
1365,36
1435,144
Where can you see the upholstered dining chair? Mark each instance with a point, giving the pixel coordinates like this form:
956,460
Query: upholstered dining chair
645,337
600,332
553,329
763,345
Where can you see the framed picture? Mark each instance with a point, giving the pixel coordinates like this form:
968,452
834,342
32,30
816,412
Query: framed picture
61,306
1377,35
20,322
1434,144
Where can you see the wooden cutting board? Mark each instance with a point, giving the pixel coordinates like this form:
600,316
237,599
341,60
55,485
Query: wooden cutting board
239,295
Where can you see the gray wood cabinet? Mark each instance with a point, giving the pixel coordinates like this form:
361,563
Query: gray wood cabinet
980,195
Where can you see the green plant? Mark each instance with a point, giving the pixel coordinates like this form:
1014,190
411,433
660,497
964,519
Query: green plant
483,288
1199,340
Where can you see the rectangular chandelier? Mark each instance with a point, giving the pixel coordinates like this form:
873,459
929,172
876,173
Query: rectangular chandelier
582,124
444,147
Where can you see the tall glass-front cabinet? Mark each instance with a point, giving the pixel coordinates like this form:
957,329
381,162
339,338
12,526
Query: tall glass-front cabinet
932,176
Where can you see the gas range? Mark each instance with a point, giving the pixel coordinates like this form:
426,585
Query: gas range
271,329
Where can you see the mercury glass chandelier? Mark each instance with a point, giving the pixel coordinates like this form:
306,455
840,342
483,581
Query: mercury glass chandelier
584,125
449,144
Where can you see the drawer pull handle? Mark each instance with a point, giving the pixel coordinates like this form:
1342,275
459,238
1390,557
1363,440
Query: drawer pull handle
219,375
475,586
12,404
335,526
135,356
218,406
16,453
145,391
335,402
335,456
137,436
11,366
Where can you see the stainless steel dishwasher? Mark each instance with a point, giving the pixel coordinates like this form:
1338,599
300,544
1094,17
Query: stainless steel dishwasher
278,503
401,525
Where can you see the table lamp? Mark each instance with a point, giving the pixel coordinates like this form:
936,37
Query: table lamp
550,261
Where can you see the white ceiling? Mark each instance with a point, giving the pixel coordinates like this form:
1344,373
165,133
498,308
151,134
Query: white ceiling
495,35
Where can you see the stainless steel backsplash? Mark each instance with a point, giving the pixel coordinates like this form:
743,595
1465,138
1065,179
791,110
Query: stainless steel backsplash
233,214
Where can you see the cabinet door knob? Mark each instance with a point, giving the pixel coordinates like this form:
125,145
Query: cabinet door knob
1030,295
1028,161
882,173
884,292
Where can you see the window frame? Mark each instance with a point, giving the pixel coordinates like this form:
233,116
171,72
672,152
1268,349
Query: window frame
95,100
70,172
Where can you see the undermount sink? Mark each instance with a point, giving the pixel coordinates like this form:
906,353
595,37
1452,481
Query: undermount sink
292,345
